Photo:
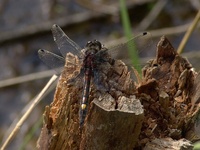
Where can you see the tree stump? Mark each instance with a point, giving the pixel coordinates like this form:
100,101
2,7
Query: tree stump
161,109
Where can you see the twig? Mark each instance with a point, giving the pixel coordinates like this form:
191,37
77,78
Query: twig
188,33
154,33
26,78
25,116
145,23
44,27
99,7
3,5
24,110
195,4
169,30
104,8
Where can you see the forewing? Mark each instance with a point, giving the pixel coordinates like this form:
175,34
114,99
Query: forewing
135,45
64,43
52,60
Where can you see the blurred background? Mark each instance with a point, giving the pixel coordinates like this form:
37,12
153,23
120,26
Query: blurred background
25,27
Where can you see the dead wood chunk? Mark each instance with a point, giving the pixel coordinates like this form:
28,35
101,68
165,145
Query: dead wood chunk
149,88
114,117
172,72
111,128
61,128
46,136
193,132
169,144
196,91
165,51
166,92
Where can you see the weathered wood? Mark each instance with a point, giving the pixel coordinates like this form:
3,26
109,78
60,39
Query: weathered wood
113,128
116,119
166,92
169,144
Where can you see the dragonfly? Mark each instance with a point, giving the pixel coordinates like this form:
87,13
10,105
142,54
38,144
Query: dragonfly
92,56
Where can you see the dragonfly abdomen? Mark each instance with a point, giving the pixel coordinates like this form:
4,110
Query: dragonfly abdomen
86,90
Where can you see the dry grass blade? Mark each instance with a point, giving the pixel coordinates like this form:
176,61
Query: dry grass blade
145,23
25,116
26,78
188,33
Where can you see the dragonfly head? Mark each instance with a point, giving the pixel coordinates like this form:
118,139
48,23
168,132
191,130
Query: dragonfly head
94,45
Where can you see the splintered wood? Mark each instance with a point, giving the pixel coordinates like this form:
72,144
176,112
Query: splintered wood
162,108
166,92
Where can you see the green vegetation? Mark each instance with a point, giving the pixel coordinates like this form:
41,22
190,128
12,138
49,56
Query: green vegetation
128,33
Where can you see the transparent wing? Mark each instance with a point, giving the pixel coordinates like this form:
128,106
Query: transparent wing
64,43
134,46
52,60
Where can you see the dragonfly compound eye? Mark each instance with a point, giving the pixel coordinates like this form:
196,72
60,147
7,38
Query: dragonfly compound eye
97,43
88,43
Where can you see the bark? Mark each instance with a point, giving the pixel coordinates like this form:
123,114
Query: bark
161,109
